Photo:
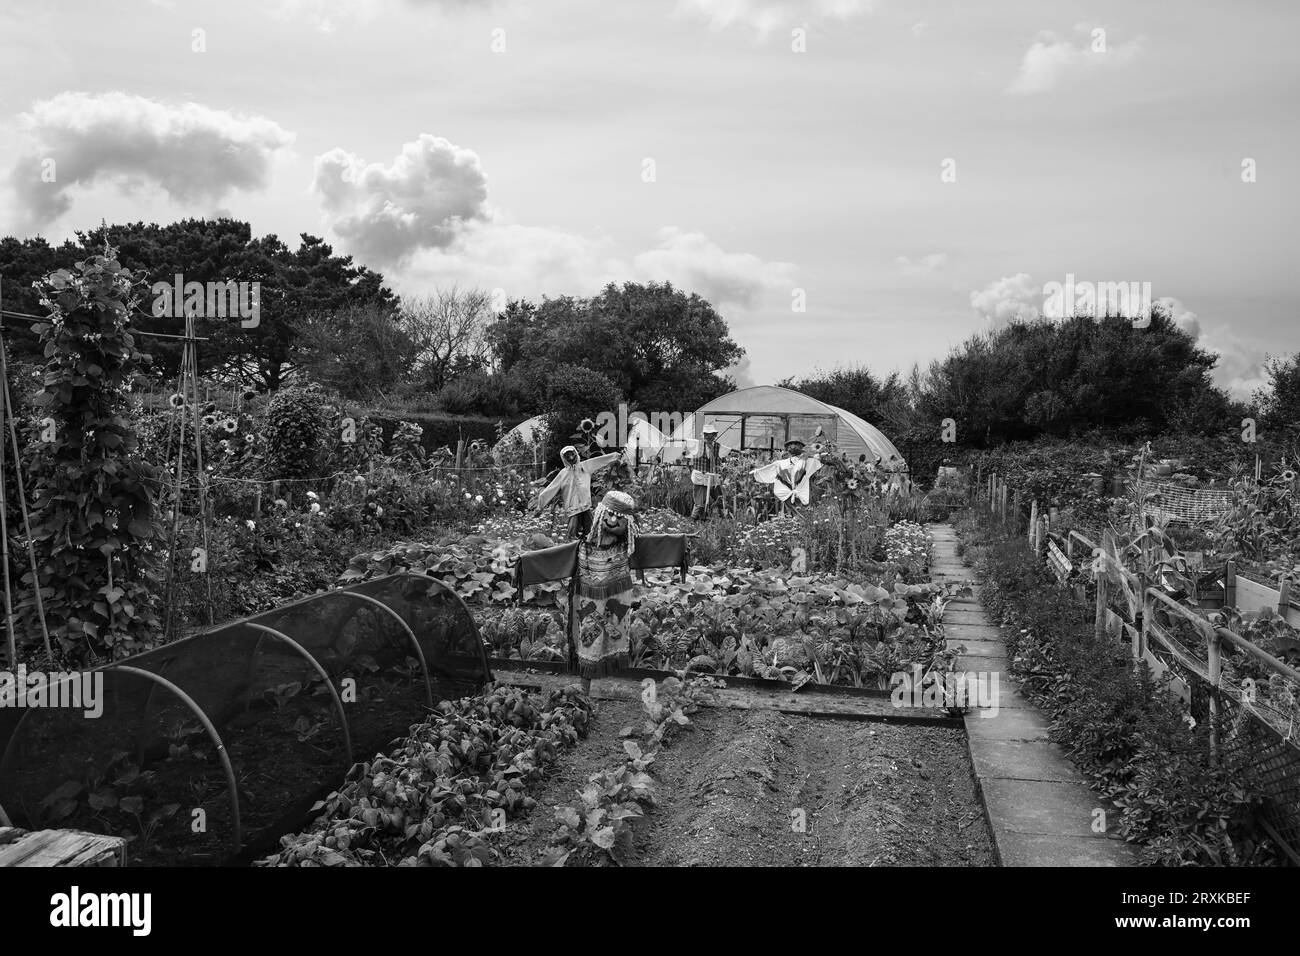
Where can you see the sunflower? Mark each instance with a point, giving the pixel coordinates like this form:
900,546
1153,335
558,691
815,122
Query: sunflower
209,420
177,400
230,425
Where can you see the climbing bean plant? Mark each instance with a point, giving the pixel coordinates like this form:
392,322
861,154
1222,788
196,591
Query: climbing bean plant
95,522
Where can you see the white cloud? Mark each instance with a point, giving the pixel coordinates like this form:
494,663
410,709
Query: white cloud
325,15
741,373
696,263
531,261
1008,299
924,265
189,151
1240,368
421,200
1050,59
764,16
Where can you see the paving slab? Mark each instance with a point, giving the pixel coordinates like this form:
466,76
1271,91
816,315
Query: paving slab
1024,849
1023,760
1039,806
973,632
1043,807
976,648
1009,723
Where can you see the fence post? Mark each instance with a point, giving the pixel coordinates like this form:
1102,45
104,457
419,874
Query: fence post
1283,596
1230,584
1099,612
1140,642
1214,666
1033,525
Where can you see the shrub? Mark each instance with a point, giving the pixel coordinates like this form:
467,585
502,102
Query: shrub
295,430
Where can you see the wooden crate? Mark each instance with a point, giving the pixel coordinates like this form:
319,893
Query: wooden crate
59,848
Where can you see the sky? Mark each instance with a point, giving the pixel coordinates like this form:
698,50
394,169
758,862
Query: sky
849,182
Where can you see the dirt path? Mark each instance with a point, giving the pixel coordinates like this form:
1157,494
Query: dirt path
869,794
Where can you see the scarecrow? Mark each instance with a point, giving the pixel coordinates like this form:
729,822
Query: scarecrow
896,469
605,588
706,479
789,476
572,485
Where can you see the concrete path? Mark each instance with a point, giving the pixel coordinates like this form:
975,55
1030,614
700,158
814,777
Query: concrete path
1040,808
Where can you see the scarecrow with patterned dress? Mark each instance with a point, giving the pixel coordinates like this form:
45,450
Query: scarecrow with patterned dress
605,588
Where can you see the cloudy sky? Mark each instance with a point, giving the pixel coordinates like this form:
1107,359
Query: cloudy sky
912,171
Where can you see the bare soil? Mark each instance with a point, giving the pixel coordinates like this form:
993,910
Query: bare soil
733,790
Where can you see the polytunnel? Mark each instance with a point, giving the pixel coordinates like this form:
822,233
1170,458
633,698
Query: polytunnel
224,739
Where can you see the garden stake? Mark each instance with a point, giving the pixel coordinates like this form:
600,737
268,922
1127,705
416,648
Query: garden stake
10,420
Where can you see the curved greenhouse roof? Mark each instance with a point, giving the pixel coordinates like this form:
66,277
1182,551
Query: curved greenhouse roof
765,417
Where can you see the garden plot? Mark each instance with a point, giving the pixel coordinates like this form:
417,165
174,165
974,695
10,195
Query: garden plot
734,790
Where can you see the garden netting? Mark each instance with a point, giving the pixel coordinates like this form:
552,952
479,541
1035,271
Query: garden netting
223,739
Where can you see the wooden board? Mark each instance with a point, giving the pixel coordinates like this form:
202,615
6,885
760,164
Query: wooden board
59,848
1253,596
752,698
1060,564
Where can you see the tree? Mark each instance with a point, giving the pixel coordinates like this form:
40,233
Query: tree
571,393
1279,403
854,389
22,264
358,351
296,285
448,333
660,347
1059,378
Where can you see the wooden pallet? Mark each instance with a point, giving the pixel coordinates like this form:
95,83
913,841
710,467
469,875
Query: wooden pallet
59,848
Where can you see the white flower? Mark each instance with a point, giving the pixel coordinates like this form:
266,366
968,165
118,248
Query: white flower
478,498
315,508
281,503
312,495
467,494
379,511
252,525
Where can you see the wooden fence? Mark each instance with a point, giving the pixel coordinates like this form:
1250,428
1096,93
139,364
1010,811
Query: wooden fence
1194,672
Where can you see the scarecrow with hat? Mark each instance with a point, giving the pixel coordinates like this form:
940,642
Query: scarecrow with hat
571,485
605,587
706,477
790,476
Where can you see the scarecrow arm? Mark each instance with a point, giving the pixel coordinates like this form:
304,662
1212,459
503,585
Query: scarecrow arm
593,465
547,494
